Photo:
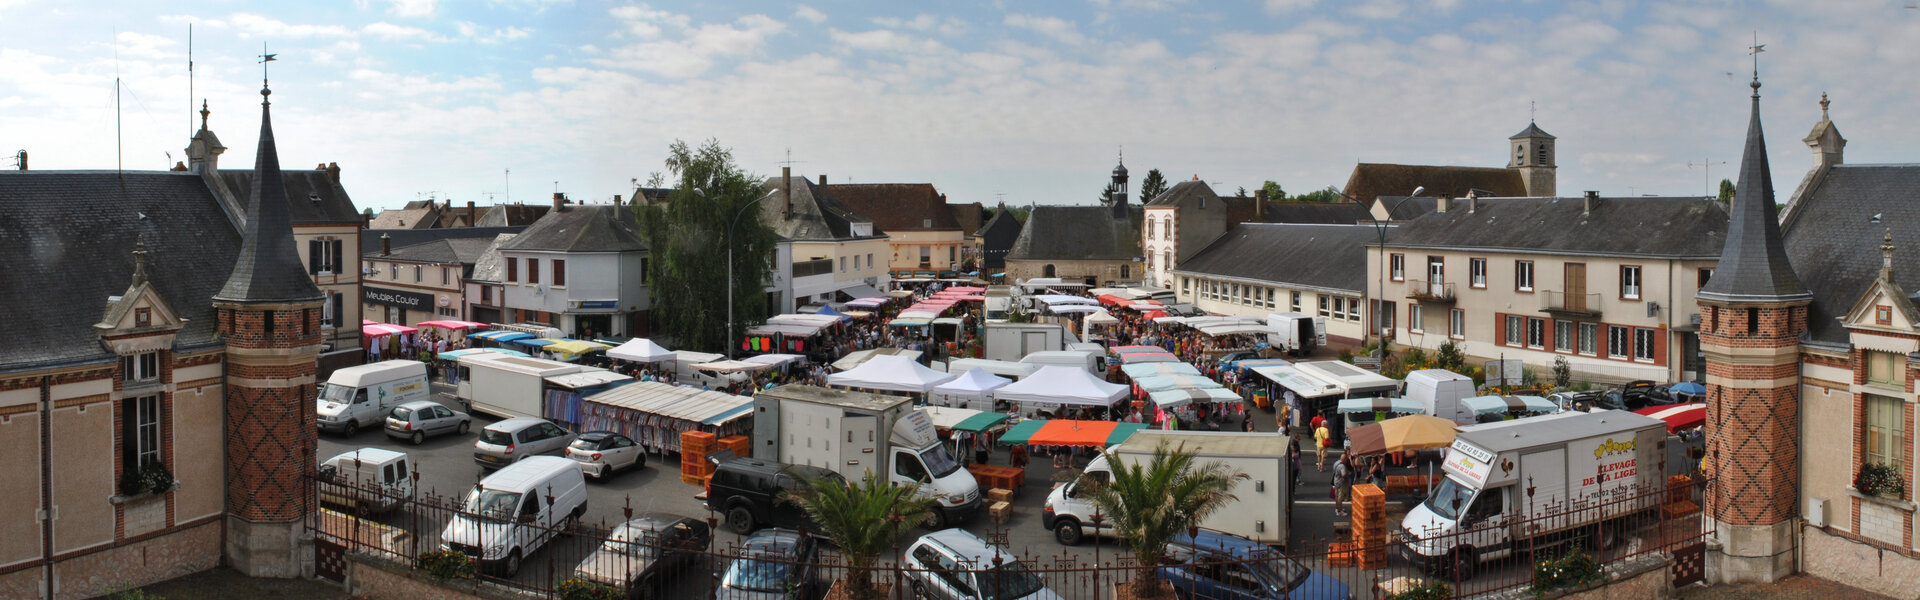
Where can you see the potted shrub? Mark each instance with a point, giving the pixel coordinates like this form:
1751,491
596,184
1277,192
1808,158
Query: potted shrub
863,519
1876,479
1153,502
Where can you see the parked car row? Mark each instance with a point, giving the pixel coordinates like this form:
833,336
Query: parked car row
1632,396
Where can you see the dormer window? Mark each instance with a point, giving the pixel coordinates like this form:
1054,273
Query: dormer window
143,367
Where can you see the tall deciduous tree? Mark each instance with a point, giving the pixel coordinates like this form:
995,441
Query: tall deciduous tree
687,241
1152,186
1274,191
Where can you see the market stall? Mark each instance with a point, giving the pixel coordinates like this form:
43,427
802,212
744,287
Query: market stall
456,354
1157,383
1412,432
452,325
855,358
1052,387
655,414
1679,417
1179,397
890,373
1059,432
1380,405
1500,405
1167,368
972,389
641,350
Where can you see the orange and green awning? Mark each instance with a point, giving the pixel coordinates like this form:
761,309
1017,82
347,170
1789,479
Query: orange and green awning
1059,432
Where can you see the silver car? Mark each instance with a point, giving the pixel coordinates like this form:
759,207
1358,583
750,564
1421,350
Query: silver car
416,421
509,441
952,564
600,453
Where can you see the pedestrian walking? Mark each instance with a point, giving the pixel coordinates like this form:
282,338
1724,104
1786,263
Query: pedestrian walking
1377,474
1342,476
1322,437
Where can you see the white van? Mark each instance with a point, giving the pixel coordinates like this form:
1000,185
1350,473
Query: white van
1070,358
507,516
371,479
1440,392
360,396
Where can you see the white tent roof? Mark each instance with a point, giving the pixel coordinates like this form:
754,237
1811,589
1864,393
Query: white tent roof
1101,318
856,358
1056,299
773,359
641,350
1350,379
975,383
892,373
676,402
1062,385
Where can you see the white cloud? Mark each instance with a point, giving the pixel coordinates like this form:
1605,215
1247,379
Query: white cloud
809,14
1378,9
481,34
252,25
1138,4
389,31
376,84
646,22
411,8
923,22
883,40
1286,6
696,50
1059,29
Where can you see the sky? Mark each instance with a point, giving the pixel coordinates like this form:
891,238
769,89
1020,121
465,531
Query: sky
1021,102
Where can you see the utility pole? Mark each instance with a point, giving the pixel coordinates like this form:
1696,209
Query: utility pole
1706,177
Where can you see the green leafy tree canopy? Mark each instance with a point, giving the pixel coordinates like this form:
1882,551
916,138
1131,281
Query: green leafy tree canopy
1273,190
1726,192
1151,502
688,246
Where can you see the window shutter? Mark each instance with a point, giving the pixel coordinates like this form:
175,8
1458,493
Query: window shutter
129,436
339,266
313,256
1500,329
339,304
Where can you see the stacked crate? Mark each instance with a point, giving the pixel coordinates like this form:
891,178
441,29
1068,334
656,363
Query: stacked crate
739,445
1370,525
695,445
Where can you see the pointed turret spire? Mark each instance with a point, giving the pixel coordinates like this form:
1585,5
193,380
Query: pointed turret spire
269,268
1753,265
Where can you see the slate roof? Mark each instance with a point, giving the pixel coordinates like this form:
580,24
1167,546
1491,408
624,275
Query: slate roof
313,196
815,214
1754,265
1078,233
582,228
1532,131
462,251
489,267
401,238
896,206
1835,247
1185,192
405,218
512,215
1329,257
1688,227
1407,208
968,216
268,269
1373,180
997,237
67,239
1240,210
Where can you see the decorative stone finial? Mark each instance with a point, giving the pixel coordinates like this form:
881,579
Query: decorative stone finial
203,114
1886,256
140,260
1823,106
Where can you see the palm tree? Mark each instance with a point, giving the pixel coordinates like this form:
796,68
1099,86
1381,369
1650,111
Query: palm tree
1150,503
863,519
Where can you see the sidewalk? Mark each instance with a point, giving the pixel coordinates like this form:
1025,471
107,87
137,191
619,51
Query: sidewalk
1798,587
221,583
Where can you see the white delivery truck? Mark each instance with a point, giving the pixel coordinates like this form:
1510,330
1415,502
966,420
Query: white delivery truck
515,386
852,432
361,396
1080,359
1259,511
1299,333
1011,341
1440,392
1536,482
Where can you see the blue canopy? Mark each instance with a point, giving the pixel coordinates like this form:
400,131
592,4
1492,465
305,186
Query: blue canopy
501,336
454,354
530,341
829,311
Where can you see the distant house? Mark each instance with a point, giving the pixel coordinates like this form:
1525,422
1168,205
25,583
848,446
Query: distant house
1530,172
422,282
922,233
428,214
1262,268
580,268
1096,244
834,248
996,238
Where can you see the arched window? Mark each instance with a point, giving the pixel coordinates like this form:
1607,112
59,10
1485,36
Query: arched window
1047,271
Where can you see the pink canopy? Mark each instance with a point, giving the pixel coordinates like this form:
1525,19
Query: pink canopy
382,329
970,289
454,325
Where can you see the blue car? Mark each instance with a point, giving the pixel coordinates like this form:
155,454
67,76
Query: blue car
1220,566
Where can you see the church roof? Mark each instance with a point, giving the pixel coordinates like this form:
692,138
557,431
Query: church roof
1753,266
67,239
1078,233
268,269
1329,257
1373,180
1532,131
313,196
1833,242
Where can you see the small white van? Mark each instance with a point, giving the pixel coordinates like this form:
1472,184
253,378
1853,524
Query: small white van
507,515
1440,392
371,479
356,397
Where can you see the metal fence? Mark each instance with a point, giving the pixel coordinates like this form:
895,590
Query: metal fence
1494,556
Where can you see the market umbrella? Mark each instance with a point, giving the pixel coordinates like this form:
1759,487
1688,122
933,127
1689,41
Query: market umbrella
1391,405
1411,432
1057,432
1679,417
1486,405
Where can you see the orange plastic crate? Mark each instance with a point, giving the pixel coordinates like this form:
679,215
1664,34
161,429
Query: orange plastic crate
1341,554
738,444
697,441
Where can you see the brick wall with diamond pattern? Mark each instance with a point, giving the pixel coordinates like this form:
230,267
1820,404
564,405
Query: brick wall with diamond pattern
270,429
1753,423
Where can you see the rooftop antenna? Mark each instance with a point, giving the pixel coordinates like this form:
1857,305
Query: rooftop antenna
1706,178
508,174
189,85
791,162
1533,109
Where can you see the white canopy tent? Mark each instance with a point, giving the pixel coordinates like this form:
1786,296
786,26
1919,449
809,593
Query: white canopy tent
1058,299
773,359
1058,384
972,389
891,373
641,350
1063,309
856,358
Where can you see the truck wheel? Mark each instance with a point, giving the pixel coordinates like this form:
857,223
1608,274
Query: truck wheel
936,520
919,591
512,566
1067,531
740,520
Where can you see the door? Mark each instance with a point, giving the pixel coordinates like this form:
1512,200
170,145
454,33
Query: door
857,454
621,452
1436,276
1576,287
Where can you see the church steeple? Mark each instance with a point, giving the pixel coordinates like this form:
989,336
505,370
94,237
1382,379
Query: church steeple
269,269
1753,264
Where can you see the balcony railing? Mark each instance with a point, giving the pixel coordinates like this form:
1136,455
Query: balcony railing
1429,291
807,268
1572,305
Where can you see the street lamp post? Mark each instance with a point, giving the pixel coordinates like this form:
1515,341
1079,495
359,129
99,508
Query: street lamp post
1380,227
727,338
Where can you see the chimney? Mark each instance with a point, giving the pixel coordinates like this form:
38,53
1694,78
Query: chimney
559,202
1473,203
823,179
616,199
1442,203
333,171
786,192
1260,205
386,244
1592,201
22,155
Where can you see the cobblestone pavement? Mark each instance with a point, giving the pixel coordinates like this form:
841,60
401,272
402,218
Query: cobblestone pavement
1799,587
222,583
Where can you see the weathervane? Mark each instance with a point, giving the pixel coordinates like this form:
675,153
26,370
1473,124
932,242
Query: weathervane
1755,51
265,58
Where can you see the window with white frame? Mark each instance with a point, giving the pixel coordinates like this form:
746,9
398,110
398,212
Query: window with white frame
1886,430
144,366
1619,342
1184,284
1295,296
1354,304
1537,333
1150,224
1644,341
1324,312
146,428
1630,282
1397,267
1457,323
1523,275
1589,337
1516,330
1339,307
1477,268
1563,336
1416,318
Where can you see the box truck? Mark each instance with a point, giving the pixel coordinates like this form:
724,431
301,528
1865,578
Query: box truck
1533,483
516,386
360,396
1299,333
1013,341
1440,392
1259,510
850,433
